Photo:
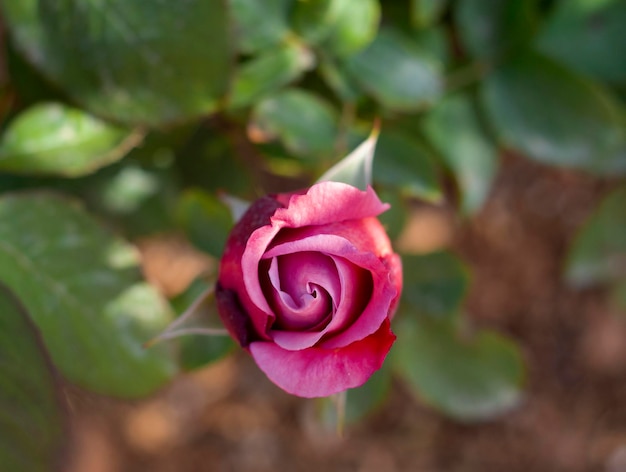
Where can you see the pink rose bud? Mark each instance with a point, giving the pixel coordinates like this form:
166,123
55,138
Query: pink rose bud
308,285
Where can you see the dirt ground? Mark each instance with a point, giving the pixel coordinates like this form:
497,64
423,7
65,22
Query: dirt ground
229,418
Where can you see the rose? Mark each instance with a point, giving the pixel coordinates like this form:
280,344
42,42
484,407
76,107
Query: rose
308,284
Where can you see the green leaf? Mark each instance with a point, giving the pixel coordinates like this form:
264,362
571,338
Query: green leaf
489,29
206,221
426,12
83,289
555,116
469,379
588,36
404,163
51,138
197,351
305,123
598,252
454,128
353,27
340,27
434,44
32,430
396,217
268,72
364,400
134,62
434,284
396,72
356,168
259,25
338,80
313,21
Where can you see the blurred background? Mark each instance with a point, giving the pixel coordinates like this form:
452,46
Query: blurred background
131,130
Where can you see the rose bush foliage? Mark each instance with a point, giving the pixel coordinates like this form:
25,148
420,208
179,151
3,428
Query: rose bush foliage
308,285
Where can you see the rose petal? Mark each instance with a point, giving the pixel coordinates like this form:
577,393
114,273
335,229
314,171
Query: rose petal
367,322
313,305
231,271
329,202
367,235
300,269
350,305
318,372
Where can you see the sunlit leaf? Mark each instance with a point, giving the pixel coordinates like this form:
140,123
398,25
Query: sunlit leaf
268,72
468,378
454,128
555,116
598,252
52,138
83,289
135,62
32,430
305,123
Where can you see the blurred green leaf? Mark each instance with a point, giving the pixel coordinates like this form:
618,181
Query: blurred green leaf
206,221
403,163
454,128
395,218
489,29
339,80
434,44
314,20
341,26
556,117
268,72
259,25
426,12
134,62
31,417
598,252
396,72
82,287
588,36
364,400
51,138
354,26
305,123
197,351
468,378
434,284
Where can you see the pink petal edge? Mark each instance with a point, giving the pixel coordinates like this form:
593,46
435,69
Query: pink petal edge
317,372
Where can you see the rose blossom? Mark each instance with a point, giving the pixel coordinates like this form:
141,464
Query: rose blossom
308,284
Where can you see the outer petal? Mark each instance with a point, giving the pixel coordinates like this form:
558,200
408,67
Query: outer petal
231,273
329,202
317,372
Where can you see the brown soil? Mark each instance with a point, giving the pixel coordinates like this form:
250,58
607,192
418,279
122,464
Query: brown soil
229,418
